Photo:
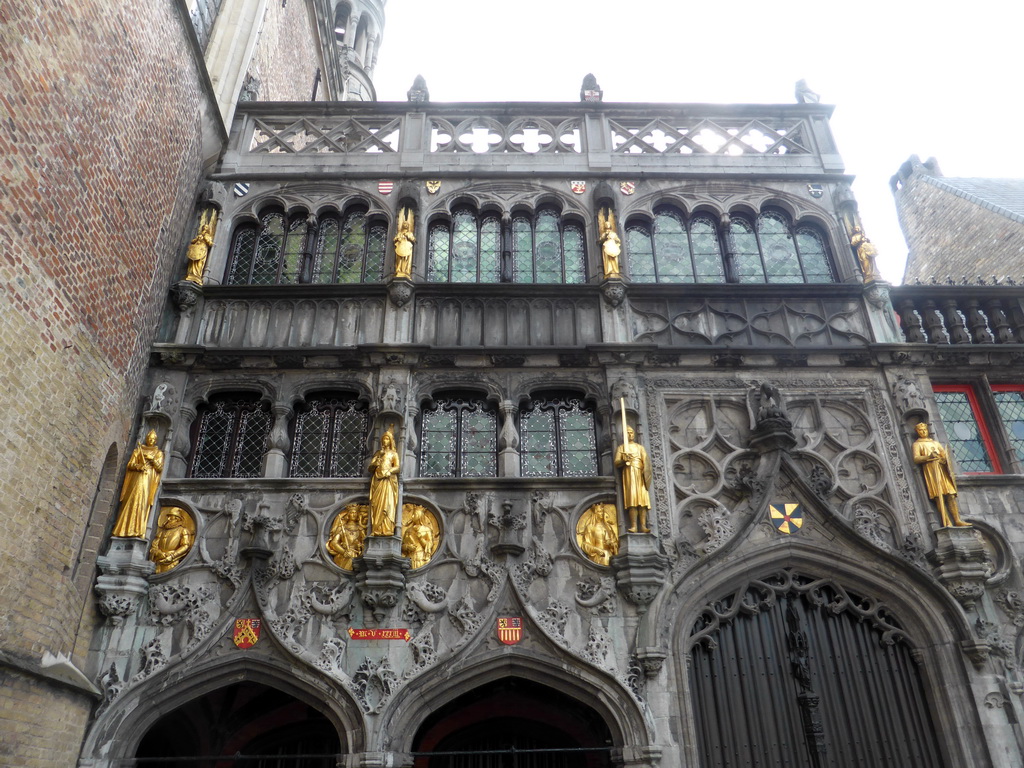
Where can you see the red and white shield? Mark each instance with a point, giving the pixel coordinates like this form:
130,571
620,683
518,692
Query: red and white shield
510,629
578,187
247,632
627,187
385,187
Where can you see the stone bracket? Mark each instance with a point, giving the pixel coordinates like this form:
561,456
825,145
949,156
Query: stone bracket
381,574
963,563
123,578
640,568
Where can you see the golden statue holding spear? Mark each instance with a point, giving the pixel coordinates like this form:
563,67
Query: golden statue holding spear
636,477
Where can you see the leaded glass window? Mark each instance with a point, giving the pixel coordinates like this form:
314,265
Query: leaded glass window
958,410
771,251
231,437
299,249
330,437
1010,404
557,439
459,439
466,251
672,251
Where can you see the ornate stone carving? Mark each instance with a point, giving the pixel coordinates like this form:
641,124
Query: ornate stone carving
172,604
599,596
464,617
963,562
332,655
870,524
400,291
553,619
151,658
374,682
614,292
640,569
423,653
717,527
598,645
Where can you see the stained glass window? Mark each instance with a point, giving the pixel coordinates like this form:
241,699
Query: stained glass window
970,444
1010,404
330,437
557,439
670,251
771,251
345,249
231,437
459,439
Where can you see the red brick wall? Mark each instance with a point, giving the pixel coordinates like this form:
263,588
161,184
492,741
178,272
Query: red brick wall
99,163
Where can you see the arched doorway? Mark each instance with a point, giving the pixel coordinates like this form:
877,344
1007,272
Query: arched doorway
796,671
513,723
245,725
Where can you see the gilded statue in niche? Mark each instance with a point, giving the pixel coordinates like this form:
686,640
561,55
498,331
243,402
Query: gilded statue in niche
141,481
404,240
421,534
384,468
199,247
347,538
933,457
597,533
631,458
176,531
611,244
866,253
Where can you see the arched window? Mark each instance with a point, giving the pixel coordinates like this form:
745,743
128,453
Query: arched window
348,249
330,436
672,251
547,250
294,249
230,437
771,251
466,251
557,438
459,438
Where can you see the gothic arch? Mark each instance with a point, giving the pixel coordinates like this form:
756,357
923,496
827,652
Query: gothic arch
119,729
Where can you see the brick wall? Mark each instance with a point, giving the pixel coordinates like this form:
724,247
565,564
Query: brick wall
99,163
950,235
287,55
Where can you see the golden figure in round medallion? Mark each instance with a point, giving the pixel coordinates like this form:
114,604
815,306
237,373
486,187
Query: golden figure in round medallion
597,533
347,538
141,481
176,532
421,534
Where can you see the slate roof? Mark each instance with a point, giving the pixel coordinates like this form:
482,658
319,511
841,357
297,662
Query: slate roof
1002,196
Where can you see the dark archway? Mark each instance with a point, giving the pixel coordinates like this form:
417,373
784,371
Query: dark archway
795,671
267,727
513,723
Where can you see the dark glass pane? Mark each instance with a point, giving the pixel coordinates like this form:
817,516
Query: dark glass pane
464,248
243,249
490,250
779,251
349,440
376,247
548,250
813,256
309,451
252,442
326,250
522,250
672,249
537,444
215,433
577,441
746,254
437,258
1011,410
293,248
353,245
269,247
707,252
478,442
437,448
962,428
640,250
574,254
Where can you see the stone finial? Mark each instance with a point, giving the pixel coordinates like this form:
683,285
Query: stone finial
419,93
591,91
804,94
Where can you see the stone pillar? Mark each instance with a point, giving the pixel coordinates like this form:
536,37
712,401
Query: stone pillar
276,462
508,441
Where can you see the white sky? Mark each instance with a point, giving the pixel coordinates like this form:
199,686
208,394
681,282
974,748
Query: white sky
937,78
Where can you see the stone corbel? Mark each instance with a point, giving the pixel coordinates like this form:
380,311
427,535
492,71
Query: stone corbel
963,563
381,574
640,568
123,579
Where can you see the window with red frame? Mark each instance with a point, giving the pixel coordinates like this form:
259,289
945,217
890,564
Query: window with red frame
969,437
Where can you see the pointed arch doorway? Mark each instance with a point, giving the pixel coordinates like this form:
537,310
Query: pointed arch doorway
513,723
244,725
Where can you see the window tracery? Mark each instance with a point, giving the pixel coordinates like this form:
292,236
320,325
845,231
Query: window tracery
231,437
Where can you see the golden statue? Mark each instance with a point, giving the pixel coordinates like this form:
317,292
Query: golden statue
636,478
141,481
420,534
938,476
404,239
176,530
384,487
866,253
597,533
348,534
199,247
611,245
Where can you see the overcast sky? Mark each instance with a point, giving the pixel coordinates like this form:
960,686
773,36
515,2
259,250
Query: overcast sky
938,79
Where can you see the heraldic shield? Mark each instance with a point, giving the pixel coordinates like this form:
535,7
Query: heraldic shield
510,629
247,633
